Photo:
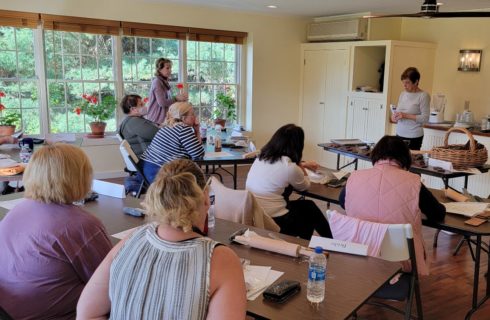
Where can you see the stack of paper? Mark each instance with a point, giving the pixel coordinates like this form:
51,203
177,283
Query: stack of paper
318,177
468,209
258,278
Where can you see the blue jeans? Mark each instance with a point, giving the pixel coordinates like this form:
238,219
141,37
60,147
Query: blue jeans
150,170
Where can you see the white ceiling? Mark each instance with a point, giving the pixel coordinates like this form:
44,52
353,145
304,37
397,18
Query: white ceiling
320,8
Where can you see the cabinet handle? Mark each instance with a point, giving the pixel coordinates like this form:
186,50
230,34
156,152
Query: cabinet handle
364,109
381,106
322,102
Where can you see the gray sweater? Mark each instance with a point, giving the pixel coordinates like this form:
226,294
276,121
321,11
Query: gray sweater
417,103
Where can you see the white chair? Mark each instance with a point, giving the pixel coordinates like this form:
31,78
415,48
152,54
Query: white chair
239,206
397,245
132,164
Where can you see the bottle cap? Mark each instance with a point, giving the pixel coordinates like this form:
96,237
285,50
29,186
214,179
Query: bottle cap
318,250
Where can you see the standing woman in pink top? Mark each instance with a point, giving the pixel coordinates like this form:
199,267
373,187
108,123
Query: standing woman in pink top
161,97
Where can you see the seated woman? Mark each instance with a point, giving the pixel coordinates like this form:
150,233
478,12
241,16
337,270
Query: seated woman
179,138
274,174
168,269
135,129
50,247
388,193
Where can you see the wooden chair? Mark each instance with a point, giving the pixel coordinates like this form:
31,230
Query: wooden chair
133,164
397,245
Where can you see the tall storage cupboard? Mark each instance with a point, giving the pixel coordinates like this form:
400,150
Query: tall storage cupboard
341,91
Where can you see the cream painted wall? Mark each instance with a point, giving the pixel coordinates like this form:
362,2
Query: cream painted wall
274,46
451,35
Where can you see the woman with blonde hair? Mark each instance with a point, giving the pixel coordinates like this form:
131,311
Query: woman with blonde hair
179,138
50,247
168,269
160,93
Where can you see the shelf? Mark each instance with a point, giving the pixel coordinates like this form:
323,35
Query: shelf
367,63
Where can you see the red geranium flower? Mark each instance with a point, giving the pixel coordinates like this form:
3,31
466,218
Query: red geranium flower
180,86
2,107
78,110
145,100
2,94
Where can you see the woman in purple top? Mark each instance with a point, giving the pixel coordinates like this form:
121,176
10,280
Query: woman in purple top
50,247
160,93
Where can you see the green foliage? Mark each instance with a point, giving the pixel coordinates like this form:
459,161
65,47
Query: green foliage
8,118
226,106
98,110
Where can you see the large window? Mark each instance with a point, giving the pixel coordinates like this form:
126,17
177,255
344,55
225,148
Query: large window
77,64
46,68
138,62
18,78
211,68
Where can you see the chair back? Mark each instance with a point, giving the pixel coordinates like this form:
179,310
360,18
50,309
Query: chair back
239,206
128,155
395,245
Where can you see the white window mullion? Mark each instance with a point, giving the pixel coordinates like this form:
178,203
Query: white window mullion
42,87
118,75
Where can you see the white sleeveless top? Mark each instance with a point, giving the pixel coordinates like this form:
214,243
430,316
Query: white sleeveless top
151,278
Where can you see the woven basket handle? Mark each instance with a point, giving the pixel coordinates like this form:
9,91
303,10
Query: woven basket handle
463,130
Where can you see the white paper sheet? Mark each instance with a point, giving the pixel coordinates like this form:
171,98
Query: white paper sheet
109,189
217,154
468,209
340,174
446,165
8,163
318,177
4,156
258,279
9,204
124,234
338,245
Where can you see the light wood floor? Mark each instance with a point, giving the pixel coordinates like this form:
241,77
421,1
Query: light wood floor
446,292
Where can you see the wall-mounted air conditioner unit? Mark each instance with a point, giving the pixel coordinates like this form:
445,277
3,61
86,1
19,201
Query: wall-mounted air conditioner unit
352,29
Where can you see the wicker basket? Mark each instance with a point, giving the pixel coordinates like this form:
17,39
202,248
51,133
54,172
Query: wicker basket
461,158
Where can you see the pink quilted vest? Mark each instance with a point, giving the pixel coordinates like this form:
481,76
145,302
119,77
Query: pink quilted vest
388,194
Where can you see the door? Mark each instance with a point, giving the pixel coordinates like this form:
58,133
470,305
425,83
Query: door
313,107
375,128
357,118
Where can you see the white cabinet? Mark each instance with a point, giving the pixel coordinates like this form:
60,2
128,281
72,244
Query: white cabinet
324,100
331,73
366,119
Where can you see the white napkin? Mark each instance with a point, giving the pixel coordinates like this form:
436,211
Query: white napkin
252,239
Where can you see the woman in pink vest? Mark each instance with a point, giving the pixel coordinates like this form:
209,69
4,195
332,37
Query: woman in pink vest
388,193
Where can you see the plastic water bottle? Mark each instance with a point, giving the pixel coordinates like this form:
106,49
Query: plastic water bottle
211,218
317,272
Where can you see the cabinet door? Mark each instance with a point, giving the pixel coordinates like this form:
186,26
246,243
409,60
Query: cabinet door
337,82
313,104
376,120
357,118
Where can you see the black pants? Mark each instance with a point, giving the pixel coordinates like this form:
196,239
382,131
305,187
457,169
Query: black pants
413,143
302,219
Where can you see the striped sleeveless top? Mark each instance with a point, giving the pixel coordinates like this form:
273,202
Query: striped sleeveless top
151,278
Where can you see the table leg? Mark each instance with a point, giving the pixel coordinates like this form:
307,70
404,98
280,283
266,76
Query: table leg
234,175
466,182
436,237
446,182
476,278
338,161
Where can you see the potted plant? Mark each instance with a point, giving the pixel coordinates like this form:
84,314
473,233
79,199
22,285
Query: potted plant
100,111
225,108
8,119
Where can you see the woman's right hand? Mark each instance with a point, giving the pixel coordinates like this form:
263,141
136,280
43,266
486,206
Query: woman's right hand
182,96
394,117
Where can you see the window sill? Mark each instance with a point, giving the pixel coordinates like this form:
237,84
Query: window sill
109,139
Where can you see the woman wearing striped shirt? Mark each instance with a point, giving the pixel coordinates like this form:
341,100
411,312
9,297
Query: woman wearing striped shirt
168,269
179,138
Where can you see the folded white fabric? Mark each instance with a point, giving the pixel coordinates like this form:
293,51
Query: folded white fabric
252,239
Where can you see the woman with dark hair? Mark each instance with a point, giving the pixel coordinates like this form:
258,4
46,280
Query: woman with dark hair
160,94
135,129
413,109
272,177
388,193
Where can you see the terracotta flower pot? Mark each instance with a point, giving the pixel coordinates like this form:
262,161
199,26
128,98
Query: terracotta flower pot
220,121
7,130
98,130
